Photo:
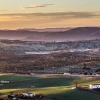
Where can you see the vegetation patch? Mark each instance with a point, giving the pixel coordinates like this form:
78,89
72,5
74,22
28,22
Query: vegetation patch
58,87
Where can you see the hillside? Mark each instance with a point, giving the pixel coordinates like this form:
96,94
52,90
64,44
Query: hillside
31,47
80,33
58,87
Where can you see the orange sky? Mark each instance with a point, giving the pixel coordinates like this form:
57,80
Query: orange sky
48,13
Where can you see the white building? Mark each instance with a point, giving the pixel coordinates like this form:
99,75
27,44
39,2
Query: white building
28,94
94,86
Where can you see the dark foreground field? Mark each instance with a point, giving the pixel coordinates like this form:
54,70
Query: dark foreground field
58,87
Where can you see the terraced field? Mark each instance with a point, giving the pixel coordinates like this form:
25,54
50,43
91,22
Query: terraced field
58,87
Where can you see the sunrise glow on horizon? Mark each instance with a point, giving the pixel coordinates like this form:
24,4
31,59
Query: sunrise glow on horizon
48,13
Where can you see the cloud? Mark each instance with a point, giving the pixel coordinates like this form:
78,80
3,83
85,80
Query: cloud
56,15
2,10
53,19
36,6
89,3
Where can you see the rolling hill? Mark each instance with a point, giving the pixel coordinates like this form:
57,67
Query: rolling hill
80,33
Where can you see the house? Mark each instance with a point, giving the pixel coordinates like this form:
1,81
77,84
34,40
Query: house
28,94
94,86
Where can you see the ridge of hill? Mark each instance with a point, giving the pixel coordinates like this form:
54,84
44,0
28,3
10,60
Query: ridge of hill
80,33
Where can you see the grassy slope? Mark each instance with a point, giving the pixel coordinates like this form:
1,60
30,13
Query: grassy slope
55,87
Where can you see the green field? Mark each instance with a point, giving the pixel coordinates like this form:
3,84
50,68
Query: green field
58,87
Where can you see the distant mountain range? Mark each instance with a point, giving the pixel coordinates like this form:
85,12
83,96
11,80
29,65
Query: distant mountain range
68,34
47,29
